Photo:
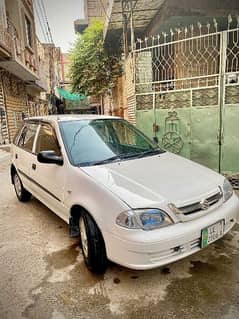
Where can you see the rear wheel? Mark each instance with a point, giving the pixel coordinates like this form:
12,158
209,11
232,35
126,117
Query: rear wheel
22,194
93,246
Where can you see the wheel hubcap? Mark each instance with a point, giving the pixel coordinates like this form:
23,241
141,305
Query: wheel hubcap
83,234
17,184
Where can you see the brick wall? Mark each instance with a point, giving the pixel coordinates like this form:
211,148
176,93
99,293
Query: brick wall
119,100
3,117
96,9
15,102
144,72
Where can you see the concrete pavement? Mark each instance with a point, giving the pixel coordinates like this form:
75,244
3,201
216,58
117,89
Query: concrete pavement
42,274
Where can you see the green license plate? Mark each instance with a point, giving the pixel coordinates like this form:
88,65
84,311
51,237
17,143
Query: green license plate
212,233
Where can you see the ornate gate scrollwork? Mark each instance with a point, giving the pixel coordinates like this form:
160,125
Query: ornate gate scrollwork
171,140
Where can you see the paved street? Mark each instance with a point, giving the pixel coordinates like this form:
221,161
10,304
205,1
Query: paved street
42,274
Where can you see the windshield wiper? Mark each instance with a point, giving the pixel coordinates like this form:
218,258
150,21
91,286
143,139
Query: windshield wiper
129,155
141,154
150,152
122,157
105,161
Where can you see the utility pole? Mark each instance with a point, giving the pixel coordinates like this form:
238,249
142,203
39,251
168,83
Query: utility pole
125,28
132,24
127,7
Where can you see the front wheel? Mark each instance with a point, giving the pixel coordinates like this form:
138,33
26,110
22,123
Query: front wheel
93,246
22,194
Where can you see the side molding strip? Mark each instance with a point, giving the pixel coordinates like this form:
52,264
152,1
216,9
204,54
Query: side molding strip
43,188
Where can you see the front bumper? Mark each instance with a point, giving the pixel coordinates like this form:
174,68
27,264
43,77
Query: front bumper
138,249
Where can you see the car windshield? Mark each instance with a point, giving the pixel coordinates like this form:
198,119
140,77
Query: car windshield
95,142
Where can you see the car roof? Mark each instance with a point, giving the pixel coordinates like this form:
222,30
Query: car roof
69,117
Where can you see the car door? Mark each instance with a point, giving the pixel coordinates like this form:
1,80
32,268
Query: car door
22,153
49,179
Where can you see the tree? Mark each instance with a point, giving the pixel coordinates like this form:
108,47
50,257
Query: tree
92,70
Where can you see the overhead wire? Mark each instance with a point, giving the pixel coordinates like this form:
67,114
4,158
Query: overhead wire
41,18
46,20
127,15
40,23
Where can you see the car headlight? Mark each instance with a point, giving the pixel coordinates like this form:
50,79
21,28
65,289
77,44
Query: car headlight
227,190
146,219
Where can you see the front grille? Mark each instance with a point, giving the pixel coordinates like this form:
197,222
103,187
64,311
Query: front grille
198,206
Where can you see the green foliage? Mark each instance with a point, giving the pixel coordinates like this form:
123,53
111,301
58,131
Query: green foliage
92,70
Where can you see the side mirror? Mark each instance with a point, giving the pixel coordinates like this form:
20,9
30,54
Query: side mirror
49,157
156,140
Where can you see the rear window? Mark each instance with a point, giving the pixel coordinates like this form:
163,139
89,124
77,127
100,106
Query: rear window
17,135
27,136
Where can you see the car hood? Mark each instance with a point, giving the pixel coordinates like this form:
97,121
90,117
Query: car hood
147,181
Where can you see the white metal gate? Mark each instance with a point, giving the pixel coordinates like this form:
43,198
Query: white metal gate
187,92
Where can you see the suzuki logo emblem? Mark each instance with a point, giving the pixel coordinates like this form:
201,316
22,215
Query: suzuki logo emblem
204,204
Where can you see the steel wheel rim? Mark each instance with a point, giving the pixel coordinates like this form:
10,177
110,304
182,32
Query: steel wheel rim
84,239
17,184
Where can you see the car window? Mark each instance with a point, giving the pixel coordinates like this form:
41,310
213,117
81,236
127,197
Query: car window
47,140
103,131
128,136
17,135
27,137
85,143
88,142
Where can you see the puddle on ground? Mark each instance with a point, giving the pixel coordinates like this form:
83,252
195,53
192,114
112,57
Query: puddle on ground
64,258
193,285
143,287
201,267
62,262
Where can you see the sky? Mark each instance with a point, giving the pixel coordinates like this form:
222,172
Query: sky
61,15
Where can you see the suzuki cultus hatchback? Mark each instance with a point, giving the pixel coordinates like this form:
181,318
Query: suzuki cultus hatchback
129,201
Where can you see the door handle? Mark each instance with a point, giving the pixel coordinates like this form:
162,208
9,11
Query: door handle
34,166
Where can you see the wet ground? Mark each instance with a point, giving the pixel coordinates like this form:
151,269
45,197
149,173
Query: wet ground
42,274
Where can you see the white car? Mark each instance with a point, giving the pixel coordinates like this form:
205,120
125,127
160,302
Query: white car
129,201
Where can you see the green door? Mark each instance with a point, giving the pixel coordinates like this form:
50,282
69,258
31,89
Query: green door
172,119
190,123
145,114
204,134
230,132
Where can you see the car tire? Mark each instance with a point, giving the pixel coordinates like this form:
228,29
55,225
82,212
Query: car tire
92,244
22,194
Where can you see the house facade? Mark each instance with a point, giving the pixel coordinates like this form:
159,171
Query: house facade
64,69
20,83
